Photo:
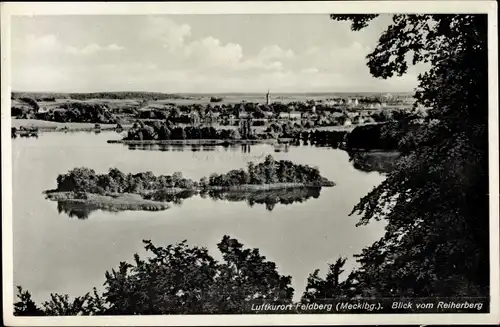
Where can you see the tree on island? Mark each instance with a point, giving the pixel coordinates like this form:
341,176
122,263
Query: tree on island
82,180
167,131
271,172
435,202
176,279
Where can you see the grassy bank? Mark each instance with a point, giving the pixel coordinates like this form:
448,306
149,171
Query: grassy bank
50,126
119,202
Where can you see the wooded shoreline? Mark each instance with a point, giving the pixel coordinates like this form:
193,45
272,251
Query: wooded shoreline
200,141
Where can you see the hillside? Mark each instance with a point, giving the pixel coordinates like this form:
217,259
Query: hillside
41,96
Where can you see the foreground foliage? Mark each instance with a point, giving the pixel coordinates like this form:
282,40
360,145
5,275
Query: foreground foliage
176,279
435,202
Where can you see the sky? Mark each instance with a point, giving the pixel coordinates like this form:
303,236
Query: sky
196,54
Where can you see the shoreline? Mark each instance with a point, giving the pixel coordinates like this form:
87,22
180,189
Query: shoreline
369,150
143,202
66,130
119,202
265,187
43,126
197,142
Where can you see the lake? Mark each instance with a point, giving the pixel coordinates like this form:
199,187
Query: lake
54,252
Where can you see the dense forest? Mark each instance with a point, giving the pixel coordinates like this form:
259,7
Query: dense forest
435,201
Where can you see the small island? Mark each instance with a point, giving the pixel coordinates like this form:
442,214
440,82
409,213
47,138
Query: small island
117,191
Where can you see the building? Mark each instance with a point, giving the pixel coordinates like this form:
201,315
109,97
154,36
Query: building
231,118
268,98
293,115
239,109
358,120
268,114
244,115
387,96
353,102
211,117
194,117
245,128
338,116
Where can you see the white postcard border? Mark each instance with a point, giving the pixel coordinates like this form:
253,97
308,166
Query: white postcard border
271,7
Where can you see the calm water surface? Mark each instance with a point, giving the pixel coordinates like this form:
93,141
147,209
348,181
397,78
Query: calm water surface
55,253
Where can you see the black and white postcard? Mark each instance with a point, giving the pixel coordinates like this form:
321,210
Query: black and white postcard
250,163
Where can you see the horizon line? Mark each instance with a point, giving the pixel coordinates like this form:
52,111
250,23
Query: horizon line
211,93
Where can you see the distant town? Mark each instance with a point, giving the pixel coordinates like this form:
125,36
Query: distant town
249,114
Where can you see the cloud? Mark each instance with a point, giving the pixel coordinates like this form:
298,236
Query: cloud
49,43
274,52
210,51
92,49
114,47
30,43
171,34
311,70
167,56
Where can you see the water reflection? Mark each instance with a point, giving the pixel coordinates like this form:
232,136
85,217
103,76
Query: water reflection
243,148
382,162
268,198
314,143
174,147
52,251
76,210
166,196
26,135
